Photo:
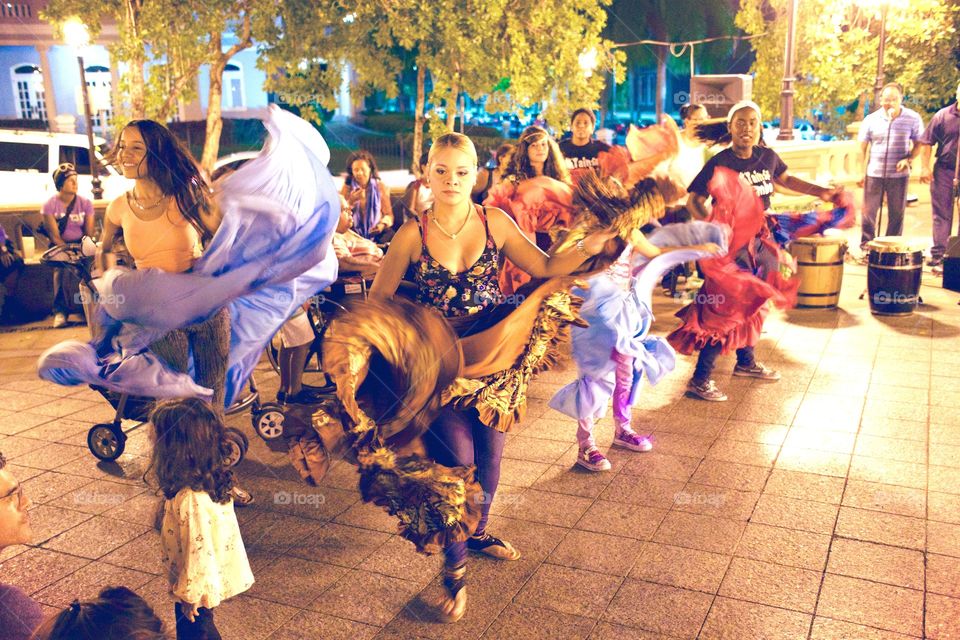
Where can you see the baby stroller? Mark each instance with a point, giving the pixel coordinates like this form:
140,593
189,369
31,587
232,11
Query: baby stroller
107,440
268,418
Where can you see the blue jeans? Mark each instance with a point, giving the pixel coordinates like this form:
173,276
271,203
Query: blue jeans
941,199
708,360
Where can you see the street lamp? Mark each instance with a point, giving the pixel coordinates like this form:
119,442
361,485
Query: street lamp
76,35
786,93
878,83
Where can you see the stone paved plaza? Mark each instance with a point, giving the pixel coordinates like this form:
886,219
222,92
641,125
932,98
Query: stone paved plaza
824,506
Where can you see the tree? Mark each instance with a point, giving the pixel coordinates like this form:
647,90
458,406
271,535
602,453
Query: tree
541,64
470,47
837,45
304,52
672,21
177,38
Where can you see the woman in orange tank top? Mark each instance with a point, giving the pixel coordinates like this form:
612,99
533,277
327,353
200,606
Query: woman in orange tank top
167,218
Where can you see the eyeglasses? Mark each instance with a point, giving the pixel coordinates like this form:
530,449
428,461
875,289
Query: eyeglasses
17,493
66,166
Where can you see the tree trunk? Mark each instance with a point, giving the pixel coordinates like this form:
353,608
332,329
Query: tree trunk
661,80
451,108
418,115
211,145
861,106
138,103
137,61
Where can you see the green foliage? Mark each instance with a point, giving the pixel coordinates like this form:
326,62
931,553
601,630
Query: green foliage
535,53
175,37
389,122
673,21
837,45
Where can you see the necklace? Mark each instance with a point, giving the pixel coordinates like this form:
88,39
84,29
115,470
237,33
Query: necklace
452,236
144,207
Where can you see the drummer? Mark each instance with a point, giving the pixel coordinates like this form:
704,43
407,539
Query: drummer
762,168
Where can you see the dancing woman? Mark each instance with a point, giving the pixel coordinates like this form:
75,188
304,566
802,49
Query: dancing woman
737,286
536,192
454,250
268,251
166,219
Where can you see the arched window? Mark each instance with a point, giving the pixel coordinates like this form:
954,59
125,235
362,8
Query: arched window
28,90
99,87
232,87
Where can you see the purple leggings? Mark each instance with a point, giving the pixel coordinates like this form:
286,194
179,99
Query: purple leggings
459,439
621,401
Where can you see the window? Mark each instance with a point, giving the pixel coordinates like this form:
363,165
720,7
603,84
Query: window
18,10
20,156
28,89
232,87
101,109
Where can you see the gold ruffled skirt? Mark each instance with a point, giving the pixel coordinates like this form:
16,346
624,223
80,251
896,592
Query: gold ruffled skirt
395,365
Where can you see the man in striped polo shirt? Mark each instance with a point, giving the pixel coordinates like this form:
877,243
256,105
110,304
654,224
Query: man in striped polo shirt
887,137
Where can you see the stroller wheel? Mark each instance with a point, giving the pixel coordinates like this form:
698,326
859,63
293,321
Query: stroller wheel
241,436
268,422
106,441
238,443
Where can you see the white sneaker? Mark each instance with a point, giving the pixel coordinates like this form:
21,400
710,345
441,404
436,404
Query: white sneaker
59,320
593,460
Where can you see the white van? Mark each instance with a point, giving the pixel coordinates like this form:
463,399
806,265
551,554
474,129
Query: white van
29,158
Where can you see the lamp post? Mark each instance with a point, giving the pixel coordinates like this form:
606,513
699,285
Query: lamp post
589,61
878,83
77,36
786,93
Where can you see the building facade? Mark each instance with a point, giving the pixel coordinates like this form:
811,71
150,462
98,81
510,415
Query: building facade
40,77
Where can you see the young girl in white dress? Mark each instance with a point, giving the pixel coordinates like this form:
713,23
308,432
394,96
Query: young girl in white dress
202,549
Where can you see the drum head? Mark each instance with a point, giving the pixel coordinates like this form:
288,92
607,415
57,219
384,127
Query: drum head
894,244
819,240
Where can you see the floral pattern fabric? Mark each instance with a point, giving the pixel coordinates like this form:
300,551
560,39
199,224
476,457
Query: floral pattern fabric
458,294
202,549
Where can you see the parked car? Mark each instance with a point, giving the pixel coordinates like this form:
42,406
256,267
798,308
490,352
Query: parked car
29,158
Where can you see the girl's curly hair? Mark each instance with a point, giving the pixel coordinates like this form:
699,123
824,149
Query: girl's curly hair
520,168
190,446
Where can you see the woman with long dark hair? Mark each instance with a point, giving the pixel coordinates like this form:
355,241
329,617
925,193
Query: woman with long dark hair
269,226
369,198
536,192
167,218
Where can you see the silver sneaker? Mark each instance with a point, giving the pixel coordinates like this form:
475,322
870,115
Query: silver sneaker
706,391
758,371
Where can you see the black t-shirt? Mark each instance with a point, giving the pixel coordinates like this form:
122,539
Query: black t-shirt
582,157
759,170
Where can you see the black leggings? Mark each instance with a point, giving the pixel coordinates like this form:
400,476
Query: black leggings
459,439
